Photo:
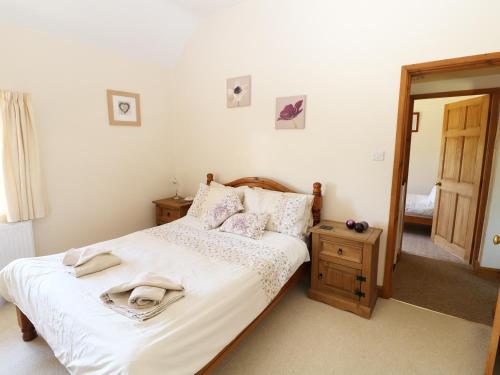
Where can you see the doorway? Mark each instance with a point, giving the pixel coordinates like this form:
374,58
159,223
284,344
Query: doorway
444,172
403,143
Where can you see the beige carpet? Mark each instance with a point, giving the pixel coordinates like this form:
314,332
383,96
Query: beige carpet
417,241
450,288
302,336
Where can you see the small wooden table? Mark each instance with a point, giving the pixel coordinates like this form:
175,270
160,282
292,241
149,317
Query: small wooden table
170,209
344,267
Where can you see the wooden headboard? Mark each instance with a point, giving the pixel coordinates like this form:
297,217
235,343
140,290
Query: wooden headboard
266,183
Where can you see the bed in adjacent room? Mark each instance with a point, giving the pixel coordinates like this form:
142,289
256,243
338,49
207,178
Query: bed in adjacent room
419,208
230,281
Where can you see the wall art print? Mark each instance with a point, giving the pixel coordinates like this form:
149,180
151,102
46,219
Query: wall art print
291,112
238,92
124,108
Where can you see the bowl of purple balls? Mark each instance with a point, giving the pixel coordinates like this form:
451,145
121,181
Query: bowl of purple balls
358,227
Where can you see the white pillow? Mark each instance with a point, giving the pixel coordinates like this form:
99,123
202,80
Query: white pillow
289,213
240,190
207,198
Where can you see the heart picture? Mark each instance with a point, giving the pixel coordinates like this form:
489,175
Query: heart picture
124,107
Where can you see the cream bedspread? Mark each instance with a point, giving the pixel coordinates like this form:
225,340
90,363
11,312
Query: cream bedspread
228,281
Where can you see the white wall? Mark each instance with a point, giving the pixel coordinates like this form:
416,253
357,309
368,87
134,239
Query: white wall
490,254
426,144
100,179
346,57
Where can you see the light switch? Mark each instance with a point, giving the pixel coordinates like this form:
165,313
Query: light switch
378,156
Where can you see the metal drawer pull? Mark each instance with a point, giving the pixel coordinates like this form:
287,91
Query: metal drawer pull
339,252
320,276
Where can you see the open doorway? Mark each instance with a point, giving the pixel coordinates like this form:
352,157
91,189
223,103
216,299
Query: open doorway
485,257
448,139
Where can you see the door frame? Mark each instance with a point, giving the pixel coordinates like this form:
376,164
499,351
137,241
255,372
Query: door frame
403,139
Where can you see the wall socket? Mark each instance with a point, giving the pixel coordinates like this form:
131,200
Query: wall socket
378,156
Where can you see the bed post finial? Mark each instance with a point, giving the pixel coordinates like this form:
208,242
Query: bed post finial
210,178
318,203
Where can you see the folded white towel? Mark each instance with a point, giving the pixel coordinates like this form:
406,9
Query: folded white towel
77,257
96,264
141,298
146,296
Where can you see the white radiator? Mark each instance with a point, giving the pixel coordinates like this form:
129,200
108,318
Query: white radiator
16,241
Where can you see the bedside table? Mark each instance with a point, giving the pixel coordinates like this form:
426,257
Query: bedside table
169,209
344,267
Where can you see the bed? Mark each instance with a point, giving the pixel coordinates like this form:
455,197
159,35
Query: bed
419,208
231,283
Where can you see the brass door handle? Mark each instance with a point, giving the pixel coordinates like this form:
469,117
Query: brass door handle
496,239
438,183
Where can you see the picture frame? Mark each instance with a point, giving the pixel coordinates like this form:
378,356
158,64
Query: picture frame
290,112
415,122
238,91
124,108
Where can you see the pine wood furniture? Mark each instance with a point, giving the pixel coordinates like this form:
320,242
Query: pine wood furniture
344,267
29,332
418,219
170,209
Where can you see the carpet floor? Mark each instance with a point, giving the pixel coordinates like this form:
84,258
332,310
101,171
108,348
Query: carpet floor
446,287
417,241
302,336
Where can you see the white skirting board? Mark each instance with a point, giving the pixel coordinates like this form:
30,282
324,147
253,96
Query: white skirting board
16,241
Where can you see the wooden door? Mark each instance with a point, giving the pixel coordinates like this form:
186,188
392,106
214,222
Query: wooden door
459,177
340,279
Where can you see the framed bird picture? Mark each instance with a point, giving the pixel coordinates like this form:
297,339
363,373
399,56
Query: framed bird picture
290,112
124,108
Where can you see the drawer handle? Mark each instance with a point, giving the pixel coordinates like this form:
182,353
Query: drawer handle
168,213
339,252
320,276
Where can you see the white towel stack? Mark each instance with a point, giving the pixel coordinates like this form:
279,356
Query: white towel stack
144,297
89,260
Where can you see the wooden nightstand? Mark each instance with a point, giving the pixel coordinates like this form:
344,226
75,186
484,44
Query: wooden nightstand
344,267
170,209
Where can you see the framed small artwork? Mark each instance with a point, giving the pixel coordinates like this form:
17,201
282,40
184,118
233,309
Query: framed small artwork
291,112
238,92
124,108
415,122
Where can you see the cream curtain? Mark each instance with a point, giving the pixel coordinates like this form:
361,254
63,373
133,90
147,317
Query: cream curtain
20,166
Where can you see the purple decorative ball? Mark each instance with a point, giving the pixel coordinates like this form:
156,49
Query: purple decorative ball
359,227
365,225
350,224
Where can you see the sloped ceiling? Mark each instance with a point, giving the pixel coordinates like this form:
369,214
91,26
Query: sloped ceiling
151,30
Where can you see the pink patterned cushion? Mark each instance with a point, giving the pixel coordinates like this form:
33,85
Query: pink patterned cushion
246,224
226,207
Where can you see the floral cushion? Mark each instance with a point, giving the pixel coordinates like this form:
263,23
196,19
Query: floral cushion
227,206
246,224
198,201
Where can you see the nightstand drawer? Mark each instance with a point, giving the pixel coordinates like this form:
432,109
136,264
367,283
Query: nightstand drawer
340,279
348,251
169,215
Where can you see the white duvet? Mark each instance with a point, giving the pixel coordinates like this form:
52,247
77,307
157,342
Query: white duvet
421,204
228,280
